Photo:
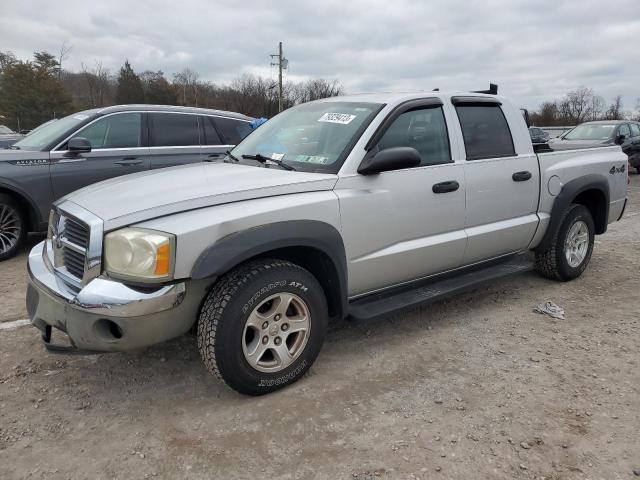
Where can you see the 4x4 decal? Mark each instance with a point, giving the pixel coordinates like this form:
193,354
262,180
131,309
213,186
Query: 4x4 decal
615,169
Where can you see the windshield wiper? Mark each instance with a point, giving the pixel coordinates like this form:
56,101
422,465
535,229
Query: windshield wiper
262,159
13,147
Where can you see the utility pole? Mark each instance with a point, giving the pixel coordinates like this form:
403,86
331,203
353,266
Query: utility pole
282,63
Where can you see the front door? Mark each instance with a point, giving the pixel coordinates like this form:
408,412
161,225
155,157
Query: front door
405,224
116,149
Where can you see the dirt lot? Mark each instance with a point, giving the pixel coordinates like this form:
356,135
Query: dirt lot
477,387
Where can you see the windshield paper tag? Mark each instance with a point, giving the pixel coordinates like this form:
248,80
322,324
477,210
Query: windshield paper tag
277,156
342,118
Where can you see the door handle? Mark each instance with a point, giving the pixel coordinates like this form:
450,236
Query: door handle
521,176
128,161
444,187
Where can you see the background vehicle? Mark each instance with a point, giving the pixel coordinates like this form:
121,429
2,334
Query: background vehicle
538,135
605,132
8,136
86,147
356,205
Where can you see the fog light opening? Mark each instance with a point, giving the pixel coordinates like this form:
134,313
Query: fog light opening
108,330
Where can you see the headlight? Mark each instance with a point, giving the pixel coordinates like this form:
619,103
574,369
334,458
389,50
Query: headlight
138,254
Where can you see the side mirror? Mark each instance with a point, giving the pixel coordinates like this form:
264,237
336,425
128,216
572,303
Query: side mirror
620,139
395,158
79,145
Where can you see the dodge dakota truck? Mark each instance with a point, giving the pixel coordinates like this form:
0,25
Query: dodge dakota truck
353,206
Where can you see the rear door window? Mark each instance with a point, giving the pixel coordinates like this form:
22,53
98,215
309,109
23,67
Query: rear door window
423,129
211,136
485,131
233,131
635,129
174,130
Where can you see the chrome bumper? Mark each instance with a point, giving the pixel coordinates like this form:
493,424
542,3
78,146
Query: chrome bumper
107,315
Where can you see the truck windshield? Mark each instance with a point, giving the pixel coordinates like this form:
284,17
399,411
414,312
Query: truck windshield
591,132
311,137
48,133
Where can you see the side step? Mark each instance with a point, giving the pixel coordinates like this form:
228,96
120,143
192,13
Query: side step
381,304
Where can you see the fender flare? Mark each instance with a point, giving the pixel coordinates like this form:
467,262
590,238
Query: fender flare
566,196
229,251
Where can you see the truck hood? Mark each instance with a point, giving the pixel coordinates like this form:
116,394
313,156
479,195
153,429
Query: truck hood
561,144
146,195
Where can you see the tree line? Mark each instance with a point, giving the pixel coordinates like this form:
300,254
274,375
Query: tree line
37,90
581,105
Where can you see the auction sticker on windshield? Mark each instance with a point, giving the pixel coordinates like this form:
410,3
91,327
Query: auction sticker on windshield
343,118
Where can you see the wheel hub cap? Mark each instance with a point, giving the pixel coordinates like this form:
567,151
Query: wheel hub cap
276,332
576,244
9,228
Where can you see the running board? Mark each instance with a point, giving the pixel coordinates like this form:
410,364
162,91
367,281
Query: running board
381,304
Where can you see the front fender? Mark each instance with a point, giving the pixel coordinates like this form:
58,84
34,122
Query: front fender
229,251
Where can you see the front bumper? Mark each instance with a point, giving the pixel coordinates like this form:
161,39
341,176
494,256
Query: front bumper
107,315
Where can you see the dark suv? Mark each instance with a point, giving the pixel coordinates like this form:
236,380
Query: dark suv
94,145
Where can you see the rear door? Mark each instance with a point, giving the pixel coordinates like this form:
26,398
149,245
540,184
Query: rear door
174,139
118,147
502,184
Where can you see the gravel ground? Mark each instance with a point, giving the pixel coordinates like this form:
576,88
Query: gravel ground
476,387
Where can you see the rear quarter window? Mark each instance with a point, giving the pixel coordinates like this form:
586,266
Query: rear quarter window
233,131
485,131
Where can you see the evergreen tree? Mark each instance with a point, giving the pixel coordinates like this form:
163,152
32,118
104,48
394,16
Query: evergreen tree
31,93
157,89
129,88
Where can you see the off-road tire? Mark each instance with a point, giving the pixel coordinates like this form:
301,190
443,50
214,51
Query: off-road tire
10,202
552,263
229,303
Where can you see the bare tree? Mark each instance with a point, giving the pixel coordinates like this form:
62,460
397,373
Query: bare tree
614,112
62,55
186,83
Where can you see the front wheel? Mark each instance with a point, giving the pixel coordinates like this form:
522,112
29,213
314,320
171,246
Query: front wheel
570,250
262,326
13,227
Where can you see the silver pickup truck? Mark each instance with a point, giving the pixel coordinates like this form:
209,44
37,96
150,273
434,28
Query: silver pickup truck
350,206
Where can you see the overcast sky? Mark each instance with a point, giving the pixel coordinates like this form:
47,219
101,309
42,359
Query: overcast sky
534,49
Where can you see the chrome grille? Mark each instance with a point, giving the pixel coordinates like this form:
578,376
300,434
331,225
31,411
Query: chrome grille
75,242
73,262
76,233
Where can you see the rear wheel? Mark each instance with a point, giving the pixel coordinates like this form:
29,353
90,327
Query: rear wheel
13,227
570,250
262,325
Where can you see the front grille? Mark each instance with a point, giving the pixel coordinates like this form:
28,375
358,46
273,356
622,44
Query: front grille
75,239
74,262
76,233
